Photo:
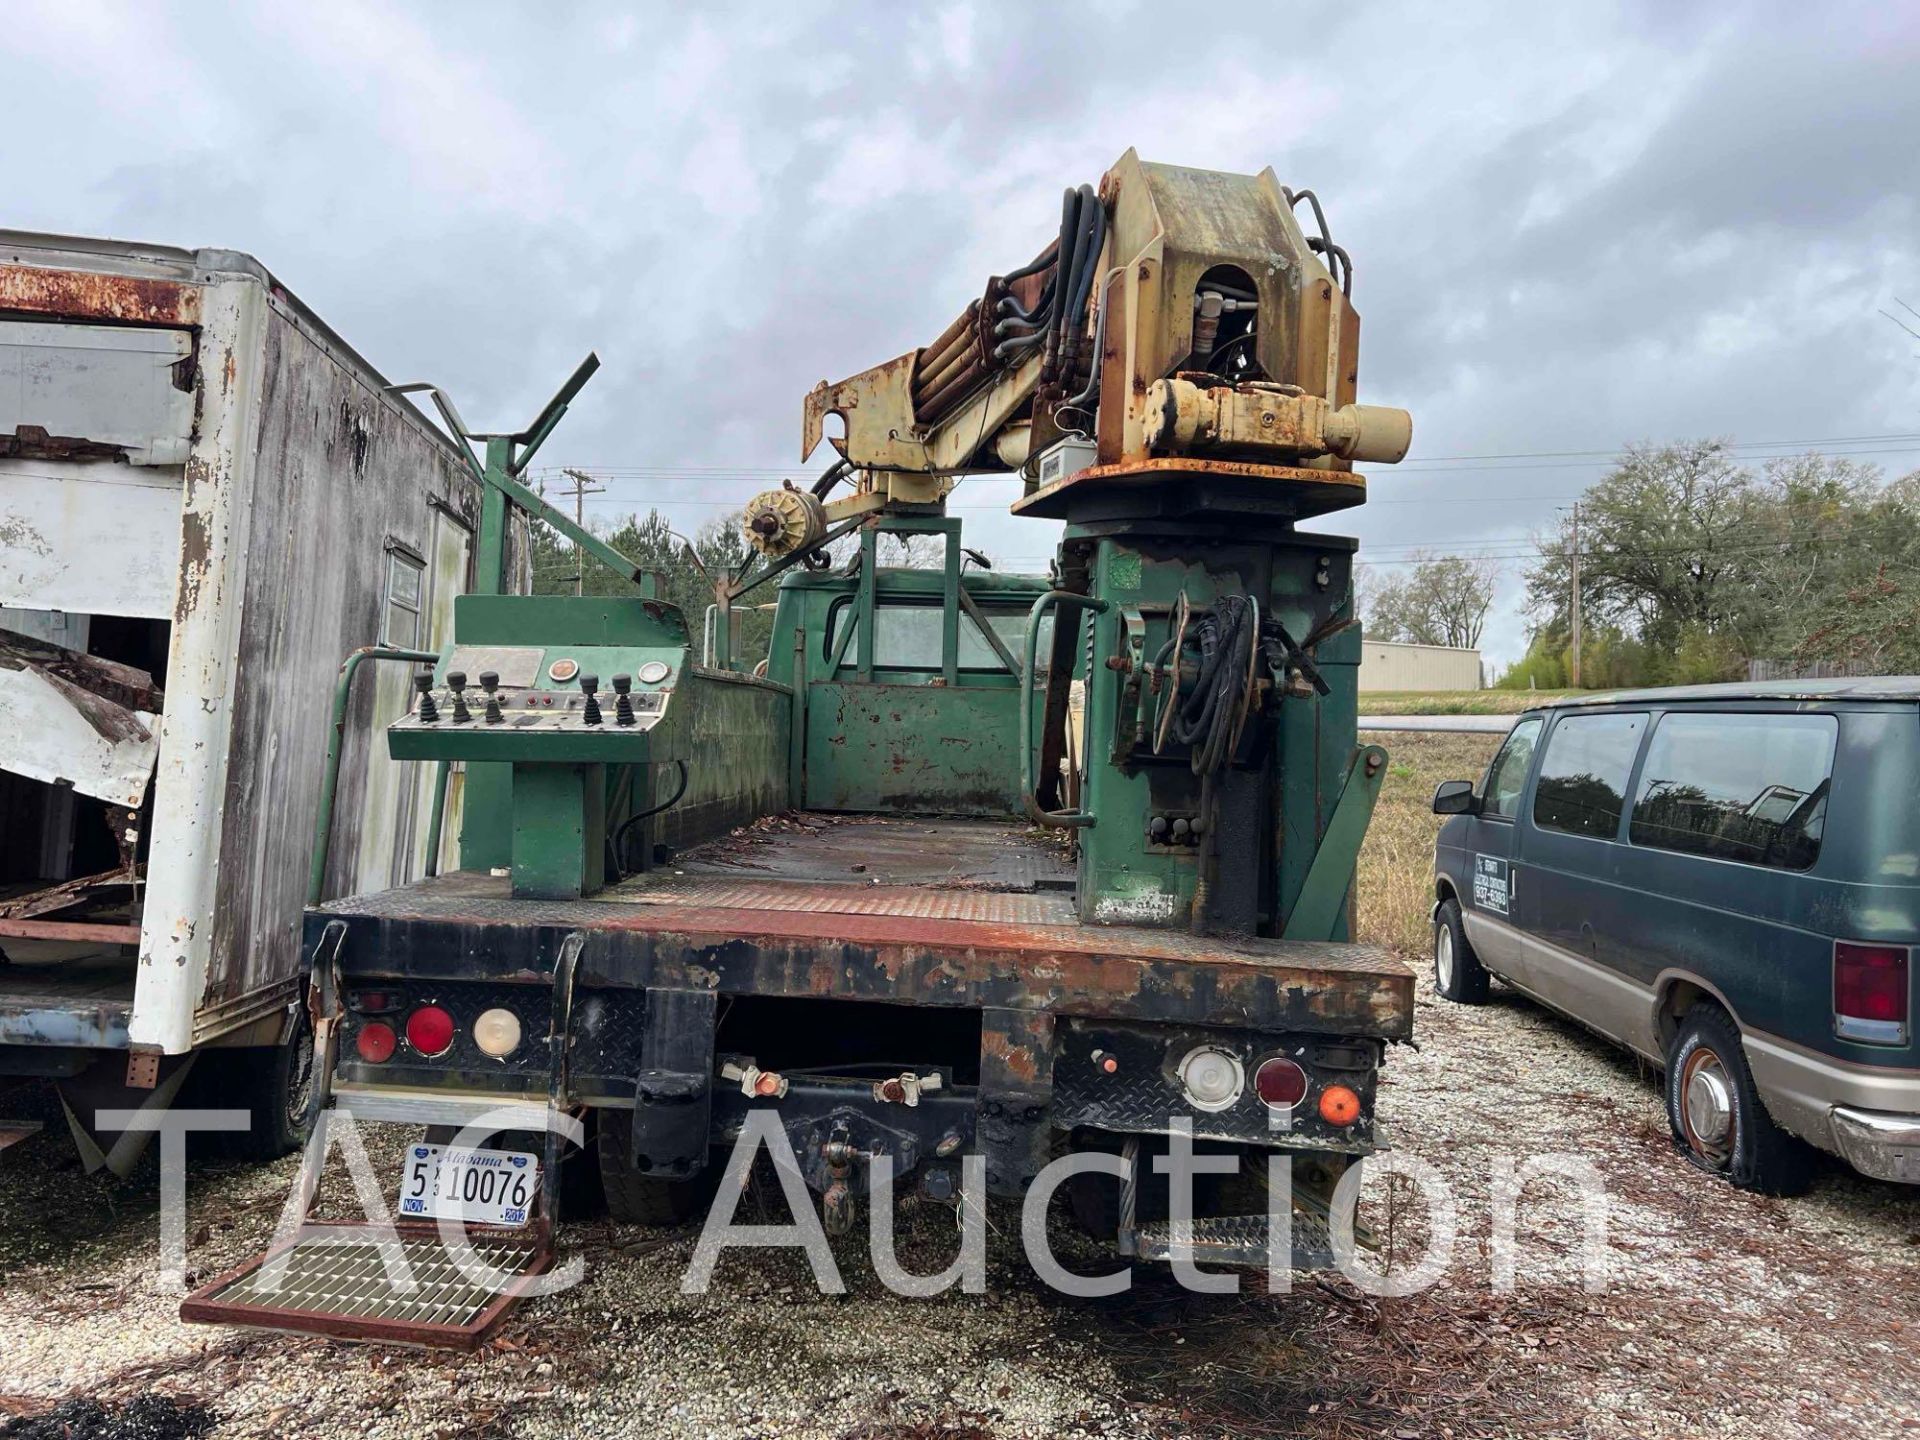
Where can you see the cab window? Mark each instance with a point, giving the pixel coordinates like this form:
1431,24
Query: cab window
1751,788
1507,776
1583,776
908,636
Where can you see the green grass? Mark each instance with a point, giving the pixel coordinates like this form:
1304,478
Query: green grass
1396,863
1455,702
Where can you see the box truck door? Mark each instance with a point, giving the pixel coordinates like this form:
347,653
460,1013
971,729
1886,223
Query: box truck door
95,427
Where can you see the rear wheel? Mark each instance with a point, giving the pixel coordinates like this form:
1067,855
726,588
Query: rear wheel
634,1198
279,1085
1717,1117
1457,971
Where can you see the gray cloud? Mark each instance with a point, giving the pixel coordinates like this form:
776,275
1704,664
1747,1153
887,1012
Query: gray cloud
1574,227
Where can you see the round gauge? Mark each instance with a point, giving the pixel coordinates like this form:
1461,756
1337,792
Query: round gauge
654,671
563,670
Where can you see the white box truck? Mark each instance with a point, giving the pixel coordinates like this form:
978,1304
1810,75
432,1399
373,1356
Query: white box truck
207,499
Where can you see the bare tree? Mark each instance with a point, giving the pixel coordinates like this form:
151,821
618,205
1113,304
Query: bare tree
1439,600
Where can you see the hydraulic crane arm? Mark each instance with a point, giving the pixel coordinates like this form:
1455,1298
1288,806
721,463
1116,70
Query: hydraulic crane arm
1178,314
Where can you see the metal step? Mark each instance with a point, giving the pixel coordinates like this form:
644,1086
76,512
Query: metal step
335,1283
1232,1240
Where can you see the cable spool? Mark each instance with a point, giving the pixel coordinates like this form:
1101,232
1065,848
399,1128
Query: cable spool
779,522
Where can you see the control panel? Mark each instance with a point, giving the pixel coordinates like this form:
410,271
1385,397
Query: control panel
517,688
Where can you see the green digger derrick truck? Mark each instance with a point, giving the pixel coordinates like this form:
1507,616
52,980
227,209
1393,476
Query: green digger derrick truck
967,863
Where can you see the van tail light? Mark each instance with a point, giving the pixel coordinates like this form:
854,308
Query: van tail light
1870,993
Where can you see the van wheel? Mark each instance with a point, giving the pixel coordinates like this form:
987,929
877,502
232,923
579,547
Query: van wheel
636,1199
1457,971
1718,1119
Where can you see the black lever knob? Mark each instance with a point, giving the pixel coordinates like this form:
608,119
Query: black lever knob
429,712
588,685
490,682
623,704
457,682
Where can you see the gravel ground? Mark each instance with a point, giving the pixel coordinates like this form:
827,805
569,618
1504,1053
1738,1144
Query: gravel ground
1724,1313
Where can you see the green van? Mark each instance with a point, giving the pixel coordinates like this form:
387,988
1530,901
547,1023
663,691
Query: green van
1726,880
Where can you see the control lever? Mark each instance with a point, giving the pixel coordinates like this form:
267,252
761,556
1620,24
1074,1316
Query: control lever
457,682
429,712
490,682
623,706
588,685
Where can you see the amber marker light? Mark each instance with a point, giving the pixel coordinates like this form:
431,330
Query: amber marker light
1339,1106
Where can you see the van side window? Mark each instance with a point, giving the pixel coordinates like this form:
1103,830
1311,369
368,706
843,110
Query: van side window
1583,779
1507,776
1744,787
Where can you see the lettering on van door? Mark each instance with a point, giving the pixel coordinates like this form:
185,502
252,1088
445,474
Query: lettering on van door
1490,884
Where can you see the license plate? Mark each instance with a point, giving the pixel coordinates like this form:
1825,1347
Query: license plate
486,1187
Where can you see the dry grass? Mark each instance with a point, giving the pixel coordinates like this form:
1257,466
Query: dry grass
1455,702
1396,863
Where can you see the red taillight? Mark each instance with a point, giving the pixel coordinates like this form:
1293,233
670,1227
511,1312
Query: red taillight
1870,992
430,1031
375,1042
1281,1083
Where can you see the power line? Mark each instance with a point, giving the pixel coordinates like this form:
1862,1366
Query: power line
1419,461
583,486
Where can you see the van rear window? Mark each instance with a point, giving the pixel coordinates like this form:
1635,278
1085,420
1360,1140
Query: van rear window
1744,787
1583,779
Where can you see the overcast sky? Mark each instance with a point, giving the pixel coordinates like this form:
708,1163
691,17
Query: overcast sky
1573,227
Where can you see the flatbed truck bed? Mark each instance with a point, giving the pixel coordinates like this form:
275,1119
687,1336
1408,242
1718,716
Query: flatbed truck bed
916,911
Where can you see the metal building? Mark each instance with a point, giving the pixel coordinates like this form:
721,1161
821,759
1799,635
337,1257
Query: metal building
1391,665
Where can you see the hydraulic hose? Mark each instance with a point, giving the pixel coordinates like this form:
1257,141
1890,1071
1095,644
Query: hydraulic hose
1071,226
1072,316
620,835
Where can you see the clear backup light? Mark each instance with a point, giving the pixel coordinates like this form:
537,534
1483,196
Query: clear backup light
1213,1078
497,1033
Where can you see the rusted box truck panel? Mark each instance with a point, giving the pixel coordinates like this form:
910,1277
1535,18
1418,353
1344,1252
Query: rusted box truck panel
181,439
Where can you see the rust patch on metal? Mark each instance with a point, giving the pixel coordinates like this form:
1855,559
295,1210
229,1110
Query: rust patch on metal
108,680
86,295
1172,467
1016,1049
196,547
32,442
71,930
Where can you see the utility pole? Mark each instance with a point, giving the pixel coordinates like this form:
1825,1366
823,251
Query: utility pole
583,486
1576,595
